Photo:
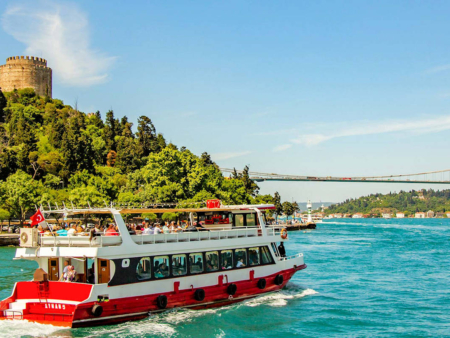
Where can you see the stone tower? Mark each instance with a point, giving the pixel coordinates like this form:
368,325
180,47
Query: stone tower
26,72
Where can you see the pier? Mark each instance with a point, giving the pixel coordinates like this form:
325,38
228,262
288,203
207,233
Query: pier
9,239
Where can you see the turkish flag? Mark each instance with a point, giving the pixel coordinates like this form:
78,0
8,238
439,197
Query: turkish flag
37,218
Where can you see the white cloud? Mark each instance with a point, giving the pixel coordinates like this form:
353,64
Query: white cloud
438,69
360,128
370,128
58,32
226,156
282,147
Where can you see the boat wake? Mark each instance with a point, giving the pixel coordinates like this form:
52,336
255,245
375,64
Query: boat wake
280,298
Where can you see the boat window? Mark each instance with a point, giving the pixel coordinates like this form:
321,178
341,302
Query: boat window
239,220
253,256
196,262
240,258
251,220
212,261
266,257
161,266
226,259
179,267
143,269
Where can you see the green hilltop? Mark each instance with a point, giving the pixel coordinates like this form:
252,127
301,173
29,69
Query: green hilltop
407,202
52,153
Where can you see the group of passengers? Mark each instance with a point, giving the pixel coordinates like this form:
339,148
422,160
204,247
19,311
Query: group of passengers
147,228
74,229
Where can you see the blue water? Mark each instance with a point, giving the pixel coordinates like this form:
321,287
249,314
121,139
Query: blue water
365,278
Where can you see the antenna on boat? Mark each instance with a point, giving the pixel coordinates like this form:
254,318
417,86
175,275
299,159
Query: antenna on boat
106,205
57,207
72,205
89,205
64,205
49,206
36,207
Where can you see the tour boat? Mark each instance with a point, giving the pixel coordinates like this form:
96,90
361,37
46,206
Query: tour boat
130,276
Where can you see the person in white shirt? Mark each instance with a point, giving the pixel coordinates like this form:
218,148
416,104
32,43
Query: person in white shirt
72,230
166,229
157,229
148,230
240,263
65,271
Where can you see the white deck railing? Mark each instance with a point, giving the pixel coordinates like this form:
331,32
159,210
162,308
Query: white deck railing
141,239
192,236
80,240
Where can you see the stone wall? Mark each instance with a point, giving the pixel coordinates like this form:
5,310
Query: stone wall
26,72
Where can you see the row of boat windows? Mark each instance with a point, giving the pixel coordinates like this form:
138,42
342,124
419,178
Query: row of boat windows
158,267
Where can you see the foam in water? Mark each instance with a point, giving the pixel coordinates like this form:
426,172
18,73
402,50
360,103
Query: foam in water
280,298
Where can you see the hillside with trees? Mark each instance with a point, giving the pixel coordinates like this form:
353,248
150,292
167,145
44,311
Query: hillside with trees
408,202
52,153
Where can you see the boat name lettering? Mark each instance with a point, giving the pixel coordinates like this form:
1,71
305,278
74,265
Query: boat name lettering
55,306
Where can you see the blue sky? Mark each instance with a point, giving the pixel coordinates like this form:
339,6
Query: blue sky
311,88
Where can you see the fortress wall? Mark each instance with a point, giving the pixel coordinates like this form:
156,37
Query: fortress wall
26,72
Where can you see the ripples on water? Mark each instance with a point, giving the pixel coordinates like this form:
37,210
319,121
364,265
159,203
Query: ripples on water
368,277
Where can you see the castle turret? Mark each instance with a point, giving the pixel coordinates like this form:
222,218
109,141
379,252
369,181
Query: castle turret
26,72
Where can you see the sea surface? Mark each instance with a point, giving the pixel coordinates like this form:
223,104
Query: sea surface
365,278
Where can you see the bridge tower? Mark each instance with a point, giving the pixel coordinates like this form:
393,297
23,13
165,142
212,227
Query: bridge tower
26,72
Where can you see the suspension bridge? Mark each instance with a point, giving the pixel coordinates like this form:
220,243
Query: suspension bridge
432,177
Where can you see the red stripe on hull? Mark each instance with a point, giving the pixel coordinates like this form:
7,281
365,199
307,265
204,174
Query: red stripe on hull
135,308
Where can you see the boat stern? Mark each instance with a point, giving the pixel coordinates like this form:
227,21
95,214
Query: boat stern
47,302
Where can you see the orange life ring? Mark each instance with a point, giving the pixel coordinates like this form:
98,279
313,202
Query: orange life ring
283,233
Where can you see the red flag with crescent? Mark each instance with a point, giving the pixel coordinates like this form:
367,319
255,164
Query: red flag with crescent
37,218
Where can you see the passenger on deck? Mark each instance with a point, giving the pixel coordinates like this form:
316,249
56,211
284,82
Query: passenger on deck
40,229
71,274
97,230
111,231
166,229
281,250
157,229
199,226
147,230
65,270
172,227
72,230
61,231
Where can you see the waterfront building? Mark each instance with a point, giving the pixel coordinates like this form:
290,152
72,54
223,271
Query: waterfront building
358,215
386,215
420,215
430,214
400,215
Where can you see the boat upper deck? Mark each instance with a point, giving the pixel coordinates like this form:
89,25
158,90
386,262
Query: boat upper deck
232,229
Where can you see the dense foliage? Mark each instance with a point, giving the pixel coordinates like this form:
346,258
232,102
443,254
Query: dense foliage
408,202
53,153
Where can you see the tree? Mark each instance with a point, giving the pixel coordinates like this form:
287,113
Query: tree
150,216
19,194
169,216
4,215
277,204
146,136
110,131
3,103
288,209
